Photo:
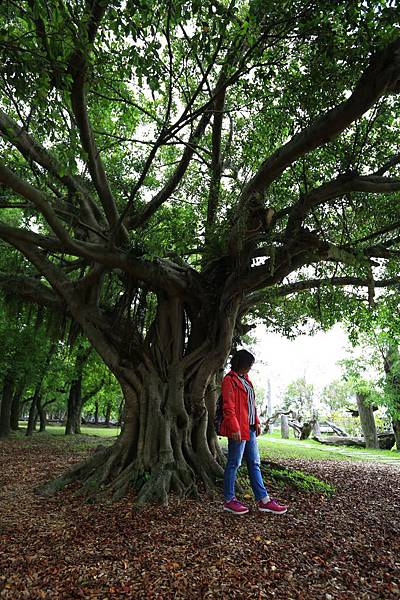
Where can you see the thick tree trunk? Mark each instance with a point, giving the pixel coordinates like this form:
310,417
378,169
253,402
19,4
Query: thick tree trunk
162,448
284,427
367,421
6,404
168,443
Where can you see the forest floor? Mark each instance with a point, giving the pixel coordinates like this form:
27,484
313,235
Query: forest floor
344,547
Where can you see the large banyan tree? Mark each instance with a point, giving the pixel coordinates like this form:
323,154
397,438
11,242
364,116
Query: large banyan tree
172,170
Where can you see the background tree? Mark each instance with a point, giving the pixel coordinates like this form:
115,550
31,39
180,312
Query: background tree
27,348
366,394
376,338
338,404
299,399
172,171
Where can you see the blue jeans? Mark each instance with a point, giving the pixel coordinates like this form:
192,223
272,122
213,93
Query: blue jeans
248,450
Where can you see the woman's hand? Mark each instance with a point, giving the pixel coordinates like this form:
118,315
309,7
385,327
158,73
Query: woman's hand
236,436
258,430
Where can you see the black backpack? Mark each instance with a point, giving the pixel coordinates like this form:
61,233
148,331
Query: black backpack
219,412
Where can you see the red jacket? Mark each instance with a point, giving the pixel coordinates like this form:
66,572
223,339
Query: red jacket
235,407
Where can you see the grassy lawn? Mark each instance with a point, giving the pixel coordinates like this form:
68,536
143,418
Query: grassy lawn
273,447
55,437
85,430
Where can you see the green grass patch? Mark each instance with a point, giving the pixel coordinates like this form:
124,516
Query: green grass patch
275,448
93,430
300,481
55,437
284,477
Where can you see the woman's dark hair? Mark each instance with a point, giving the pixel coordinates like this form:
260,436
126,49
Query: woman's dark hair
242,359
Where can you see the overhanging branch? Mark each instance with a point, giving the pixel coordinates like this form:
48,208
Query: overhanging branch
343,184
300,286
31,150
380,77
31,290
158,274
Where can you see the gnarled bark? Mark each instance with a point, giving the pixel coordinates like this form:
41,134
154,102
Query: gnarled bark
168,443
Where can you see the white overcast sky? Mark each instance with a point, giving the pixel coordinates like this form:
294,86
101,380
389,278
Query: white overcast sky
281,360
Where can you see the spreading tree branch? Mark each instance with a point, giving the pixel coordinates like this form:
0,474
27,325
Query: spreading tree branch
216,161
31,290
158,274
308,284
334,189
380,77
78,68
31,150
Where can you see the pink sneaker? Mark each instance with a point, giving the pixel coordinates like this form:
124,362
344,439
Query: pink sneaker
236,507
272,506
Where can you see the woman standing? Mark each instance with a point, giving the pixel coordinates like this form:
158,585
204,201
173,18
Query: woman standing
241,426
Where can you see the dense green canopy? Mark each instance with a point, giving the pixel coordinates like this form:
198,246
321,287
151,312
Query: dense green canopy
160,125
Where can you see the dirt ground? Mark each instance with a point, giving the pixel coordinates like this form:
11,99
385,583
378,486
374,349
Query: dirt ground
345,547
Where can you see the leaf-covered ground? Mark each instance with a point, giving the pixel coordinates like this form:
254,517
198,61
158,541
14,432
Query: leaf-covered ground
345,547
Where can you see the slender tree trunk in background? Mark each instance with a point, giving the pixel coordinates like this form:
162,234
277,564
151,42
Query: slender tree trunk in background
75,400
45,413
6,404
107,415
367,420
74,403
316,428
15,409
42,415
96,412
284,427
33,412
